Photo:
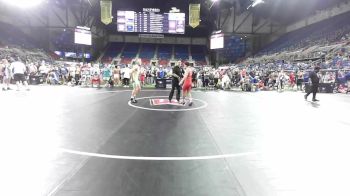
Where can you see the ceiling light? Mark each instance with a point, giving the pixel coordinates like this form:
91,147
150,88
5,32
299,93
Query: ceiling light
257,2
23,3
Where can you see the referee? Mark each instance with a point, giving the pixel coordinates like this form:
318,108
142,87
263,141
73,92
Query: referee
177,75
315,80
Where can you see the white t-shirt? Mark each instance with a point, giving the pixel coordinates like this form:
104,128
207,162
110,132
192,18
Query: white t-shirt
127,72
18,67
94,70
43,69
72,70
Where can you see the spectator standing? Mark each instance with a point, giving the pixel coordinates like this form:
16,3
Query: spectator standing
116,75
32,69
126,74
44,70
154,73
19,71
5,73
216,77
106,75
347,77
77,74
64,74
161,74
143,75
292,80
300,80
2,70
199,79
280,80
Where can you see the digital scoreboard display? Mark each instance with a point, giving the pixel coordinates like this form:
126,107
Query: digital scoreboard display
149,22
82,36
217,41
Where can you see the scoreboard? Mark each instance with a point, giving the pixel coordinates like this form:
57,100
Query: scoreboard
150,22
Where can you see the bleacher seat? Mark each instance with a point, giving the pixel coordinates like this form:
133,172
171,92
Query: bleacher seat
181,52
198,54
147,53
324,32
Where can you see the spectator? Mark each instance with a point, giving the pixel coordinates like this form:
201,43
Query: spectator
116,75
19,71
126,75
5,74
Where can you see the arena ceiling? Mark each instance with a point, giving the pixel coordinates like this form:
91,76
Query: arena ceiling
289,11
282,12
136,5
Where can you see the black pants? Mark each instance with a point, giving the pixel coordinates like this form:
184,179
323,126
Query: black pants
126,81
300,84
175,84
206,83
77,78
281,85
313,89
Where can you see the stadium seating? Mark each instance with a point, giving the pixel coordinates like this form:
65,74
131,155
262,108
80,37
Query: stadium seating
198,54
113,50
164,53
130,52
322,33
181,52
13,42
63,40
147,53
326,42
11,35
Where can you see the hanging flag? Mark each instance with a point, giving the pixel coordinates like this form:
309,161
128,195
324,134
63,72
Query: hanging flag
106,11
194,15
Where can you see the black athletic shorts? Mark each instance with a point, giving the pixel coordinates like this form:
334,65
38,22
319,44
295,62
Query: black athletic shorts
19,77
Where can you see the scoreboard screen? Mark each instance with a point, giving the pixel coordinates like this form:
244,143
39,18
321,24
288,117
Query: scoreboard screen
149,22
83,36
217,41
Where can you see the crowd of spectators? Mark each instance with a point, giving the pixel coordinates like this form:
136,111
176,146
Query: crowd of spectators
286,68
270,76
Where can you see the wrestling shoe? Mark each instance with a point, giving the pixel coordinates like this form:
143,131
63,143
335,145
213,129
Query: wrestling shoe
315,100
305,97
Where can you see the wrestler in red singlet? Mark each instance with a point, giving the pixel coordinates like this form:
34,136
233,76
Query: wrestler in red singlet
187,84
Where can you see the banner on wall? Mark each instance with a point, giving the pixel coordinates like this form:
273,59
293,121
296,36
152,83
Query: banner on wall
106,12
194,15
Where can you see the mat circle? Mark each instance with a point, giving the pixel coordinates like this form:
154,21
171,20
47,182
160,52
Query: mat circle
192,108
